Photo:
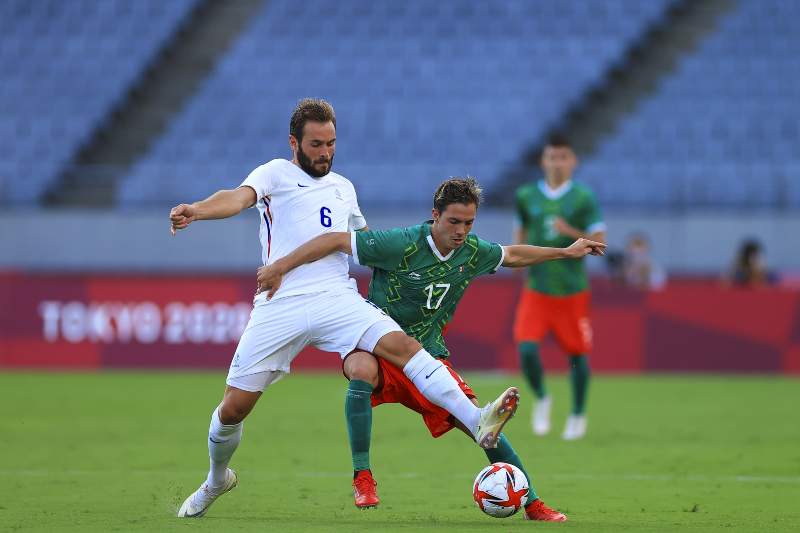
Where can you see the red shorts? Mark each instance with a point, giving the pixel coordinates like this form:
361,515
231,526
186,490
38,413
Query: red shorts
395,387
566,316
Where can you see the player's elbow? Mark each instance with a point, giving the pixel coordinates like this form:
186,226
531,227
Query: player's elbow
335,241
342,241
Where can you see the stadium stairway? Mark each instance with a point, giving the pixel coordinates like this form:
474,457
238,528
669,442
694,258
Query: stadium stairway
649,60
90,180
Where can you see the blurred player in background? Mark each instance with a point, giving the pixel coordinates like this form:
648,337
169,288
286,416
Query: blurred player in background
319,304
554,212
639,269
749,268
420,274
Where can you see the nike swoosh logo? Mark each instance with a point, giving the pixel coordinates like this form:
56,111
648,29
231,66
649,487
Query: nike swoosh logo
216,441
437,368
301,185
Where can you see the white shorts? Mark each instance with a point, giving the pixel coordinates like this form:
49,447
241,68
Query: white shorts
279,329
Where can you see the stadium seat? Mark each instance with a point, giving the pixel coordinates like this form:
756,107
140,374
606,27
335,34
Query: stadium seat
730,107
455,87
64,72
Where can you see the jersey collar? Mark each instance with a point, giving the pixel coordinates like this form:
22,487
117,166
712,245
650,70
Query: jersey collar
558,192
434,249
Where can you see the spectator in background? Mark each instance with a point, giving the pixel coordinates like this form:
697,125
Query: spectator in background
749,269
639,270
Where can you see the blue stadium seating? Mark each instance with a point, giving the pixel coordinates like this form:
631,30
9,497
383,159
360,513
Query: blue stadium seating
422,90
723,130
65,66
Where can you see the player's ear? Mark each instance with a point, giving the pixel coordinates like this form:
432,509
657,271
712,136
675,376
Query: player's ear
293,143
435,214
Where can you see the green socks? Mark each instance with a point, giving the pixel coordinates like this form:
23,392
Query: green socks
579,376
358,411
531,365
504,453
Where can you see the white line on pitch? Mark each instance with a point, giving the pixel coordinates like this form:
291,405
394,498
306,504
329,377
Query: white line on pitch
413,475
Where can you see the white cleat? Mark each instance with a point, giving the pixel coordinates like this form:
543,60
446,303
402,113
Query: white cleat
198,503
494,416
575,428
540,420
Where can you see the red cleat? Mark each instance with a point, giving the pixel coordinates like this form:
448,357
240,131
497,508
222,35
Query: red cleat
364,491
537,510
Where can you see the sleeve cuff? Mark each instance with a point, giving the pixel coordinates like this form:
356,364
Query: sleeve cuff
358,222
502,258
254,190
353,247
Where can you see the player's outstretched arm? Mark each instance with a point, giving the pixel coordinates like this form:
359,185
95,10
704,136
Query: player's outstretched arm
523,255
270,276
221,204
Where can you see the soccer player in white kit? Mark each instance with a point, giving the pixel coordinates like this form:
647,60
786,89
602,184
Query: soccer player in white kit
317,303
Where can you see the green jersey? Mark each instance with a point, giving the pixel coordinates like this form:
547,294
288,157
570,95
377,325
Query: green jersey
537,208
417,286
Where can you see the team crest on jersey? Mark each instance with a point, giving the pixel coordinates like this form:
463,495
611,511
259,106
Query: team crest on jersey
338,195
414,275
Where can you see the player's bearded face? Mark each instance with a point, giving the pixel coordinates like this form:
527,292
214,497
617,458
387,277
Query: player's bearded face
316,167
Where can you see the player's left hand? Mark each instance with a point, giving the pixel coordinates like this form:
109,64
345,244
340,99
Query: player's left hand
269,279
583,247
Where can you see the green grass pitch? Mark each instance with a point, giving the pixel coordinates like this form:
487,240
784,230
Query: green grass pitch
120,451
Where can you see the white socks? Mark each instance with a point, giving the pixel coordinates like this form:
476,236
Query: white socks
435,382
222,442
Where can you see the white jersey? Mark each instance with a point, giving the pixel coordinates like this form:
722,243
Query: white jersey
295,208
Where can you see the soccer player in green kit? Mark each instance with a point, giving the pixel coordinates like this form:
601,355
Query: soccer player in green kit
419,275
554,212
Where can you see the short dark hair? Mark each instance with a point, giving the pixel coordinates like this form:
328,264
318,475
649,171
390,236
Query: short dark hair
457,191
313,109
558,140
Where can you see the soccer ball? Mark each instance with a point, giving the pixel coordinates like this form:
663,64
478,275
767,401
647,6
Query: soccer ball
500,490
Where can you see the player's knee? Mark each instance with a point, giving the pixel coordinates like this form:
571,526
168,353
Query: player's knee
236,406
362,366
397,348
230,414
411,346
401,345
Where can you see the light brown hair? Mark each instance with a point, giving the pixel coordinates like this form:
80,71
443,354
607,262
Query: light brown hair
313,109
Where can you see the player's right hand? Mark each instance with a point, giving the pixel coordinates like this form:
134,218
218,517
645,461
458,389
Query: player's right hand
269,279
180,217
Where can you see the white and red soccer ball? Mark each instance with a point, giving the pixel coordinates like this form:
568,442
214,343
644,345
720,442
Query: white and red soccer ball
500,490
